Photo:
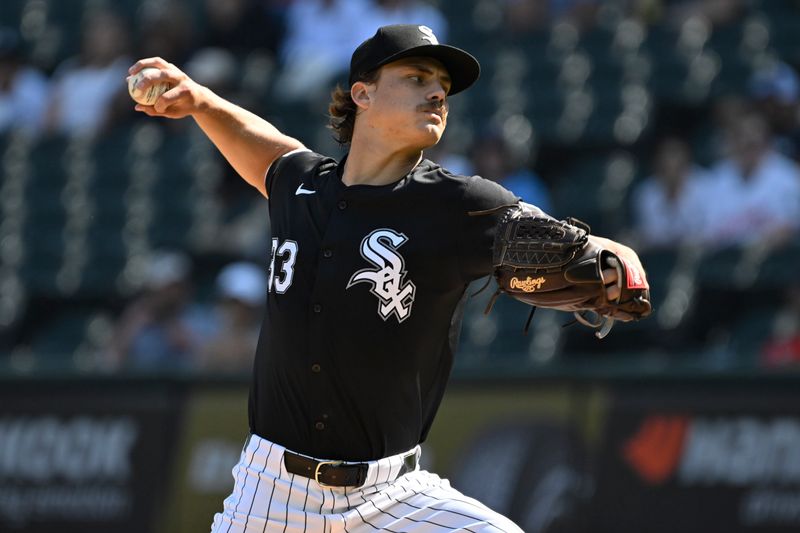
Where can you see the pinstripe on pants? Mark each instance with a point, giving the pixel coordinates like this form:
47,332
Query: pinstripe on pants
267,498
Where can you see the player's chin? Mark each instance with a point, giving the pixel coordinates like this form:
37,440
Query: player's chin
432,132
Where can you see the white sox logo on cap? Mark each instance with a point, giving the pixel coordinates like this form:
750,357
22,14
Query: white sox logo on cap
428,35
396,296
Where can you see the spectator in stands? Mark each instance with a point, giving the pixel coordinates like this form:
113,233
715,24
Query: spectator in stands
666,205
322,34
493,158
320,37
711,136
241,291
775,90
86,86
161,329
23,89
754,192
783,347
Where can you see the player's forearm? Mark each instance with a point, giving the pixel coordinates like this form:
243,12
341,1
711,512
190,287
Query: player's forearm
248,142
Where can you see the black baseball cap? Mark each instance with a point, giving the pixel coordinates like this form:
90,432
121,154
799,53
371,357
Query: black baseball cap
398,41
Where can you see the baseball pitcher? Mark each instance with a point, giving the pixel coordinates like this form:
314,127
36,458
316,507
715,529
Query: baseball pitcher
370,260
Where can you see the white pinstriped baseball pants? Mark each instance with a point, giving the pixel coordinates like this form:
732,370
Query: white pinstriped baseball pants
267,498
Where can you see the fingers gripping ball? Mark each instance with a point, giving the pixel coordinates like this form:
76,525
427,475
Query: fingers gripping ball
151,94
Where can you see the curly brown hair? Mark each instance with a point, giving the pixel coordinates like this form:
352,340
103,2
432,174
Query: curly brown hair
342,110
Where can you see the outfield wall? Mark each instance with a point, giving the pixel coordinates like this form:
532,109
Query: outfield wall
621,454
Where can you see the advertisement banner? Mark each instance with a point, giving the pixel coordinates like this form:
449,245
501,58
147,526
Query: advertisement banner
584,457
89,457
521,449
213,433
700,459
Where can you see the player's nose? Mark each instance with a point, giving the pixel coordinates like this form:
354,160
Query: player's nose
437,88
438,100
438,92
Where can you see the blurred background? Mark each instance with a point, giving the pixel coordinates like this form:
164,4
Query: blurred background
133,259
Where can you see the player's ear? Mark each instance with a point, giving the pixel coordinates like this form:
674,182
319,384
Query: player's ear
361,94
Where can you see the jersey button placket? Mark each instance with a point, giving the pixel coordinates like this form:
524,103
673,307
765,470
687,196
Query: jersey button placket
317,376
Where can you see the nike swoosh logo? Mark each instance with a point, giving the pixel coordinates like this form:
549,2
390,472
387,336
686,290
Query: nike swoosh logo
300,190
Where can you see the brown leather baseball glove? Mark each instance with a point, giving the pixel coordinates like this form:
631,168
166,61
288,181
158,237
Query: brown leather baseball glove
552,263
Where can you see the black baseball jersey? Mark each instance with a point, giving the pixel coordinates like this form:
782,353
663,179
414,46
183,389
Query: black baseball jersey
366,292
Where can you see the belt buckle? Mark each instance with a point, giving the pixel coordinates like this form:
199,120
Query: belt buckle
320,464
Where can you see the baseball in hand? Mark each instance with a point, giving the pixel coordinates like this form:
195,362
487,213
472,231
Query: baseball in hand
147,96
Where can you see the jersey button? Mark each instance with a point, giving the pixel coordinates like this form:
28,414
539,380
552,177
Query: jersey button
316,368
317,308
327,253
342,205
319,426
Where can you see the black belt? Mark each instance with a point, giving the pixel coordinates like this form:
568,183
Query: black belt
337,473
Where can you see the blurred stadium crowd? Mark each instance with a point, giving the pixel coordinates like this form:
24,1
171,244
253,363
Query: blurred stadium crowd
127,243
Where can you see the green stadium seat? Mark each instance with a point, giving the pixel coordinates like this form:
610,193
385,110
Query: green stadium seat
779,270
718,269
59,337
11,12
748,336
785,29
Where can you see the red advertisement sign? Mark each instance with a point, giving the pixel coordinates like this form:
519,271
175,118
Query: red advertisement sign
701,460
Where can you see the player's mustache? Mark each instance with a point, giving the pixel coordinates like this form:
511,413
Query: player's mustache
433,107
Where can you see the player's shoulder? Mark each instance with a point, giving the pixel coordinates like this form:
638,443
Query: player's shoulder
475,192
298,166
430,172
302,160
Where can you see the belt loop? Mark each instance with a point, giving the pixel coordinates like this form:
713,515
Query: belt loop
362,477
411,461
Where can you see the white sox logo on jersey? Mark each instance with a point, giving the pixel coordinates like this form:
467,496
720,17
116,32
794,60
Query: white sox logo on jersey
396,295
